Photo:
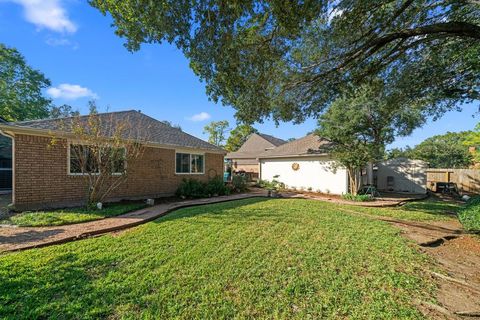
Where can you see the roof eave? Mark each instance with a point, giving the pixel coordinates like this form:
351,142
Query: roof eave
293,156
13,129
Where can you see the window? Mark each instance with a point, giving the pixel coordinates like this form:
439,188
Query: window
82,159
197,163
189,163
116,156
86,159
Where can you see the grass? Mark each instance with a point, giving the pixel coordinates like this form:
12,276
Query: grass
423,210
70,215
255,258
357,197
470,215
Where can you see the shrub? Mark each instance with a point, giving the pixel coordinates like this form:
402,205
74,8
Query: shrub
239,183
272,185
216,186
469,216
192,188
358,197
262,183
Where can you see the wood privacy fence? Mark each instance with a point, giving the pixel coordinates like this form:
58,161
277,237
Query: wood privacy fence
467,180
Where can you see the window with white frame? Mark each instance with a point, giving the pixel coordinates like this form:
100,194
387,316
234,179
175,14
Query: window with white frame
186,163
84,159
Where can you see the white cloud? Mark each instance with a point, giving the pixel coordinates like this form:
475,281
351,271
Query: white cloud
71,92
202,116
56,42
48,14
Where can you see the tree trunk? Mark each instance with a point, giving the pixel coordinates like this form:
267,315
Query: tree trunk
353,180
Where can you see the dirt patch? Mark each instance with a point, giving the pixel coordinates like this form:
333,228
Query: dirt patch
385,200
456,269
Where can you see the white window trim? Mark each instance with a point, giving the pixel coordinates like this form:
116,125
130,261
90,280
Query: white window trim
189,162
81,174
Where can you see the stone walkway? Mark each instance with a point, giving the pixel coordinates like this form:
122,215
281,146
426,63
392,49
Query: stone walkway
20,238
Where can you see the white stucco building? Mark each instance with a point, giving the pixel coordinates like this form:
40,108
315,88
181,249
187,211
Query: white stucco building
402,175
304,164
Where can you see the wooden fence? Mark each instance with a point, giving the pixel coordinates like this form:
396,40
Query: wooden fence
467,180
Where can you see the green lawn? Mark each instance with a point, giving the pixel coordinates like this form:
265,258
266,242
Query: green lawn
424,210
70,215
469,216
255,258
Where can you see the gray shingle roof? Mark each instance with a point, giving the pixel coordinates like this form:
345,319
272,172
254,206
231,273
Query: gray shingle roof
273,140
256,144
141,127
309,145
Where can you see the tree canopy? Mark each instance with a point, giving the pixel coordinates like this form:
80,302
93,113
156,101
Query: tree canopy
291,59
472,140
21,87
238,136
360,124
448,150
216,131
62,111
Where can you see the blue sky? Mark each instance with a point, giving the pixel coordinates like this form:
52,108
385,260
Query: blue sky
76,48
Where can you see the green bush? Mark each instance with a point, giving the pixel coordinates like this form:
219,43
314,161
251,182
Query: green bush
358,197
193,188
216,186
239,183
469,216
271,185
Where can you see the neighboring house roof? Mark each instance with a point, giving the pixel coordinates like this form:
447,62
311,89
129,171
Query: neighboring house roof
273,140
256,144
141,127
309,145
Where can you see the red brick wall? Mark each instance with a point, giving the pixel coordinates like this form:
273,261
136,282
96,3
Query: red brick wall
41,178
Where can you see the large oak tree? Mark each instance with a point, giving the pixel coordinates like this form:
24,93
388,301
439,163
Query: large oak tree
290,59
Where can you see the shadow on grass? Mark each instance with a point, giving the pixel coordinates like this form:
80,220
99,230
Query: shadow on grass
435,207
215,209
55,289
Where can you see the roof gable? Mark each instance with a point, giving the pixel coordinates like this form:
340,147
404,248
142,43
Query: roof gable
309,145
256,144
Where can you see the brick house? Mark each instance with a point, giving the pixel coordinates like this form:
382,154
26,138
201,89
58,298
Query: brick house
44,175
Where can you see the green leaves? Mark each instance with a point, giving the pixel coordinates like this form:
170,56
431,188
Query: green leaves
21,87
216,132
289,60
238,136
449,150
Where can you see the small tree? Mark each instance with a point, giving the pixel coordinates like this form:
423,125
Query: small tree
238,136
216,132
362,122
64,110
104,150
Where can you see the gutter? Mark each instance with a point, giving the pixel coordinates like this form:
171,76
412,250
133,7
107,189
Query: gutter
294,156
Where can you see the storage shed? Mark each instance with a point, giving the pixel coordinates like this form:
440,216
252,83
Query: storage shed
402,175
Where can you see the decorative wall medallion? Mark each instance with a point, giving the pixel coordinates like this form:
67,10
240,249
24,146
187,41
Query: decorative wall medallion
295,166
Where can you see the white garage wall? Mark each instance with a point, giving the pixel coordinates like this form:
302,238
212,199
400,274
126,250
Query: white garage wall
315,172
